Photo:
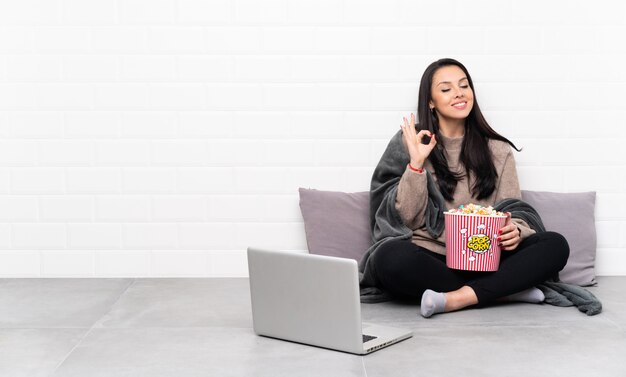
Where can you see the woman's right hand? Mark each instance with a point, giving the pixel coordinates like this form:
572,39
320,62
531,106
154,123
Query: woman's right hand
412,140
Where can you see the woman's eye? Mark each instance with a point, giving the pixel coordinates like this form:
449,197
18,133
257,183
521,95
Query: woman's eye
466,86
445,90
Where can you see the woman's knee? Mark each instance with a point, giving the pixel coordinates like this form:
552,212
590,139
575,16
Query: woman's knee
386,257
558,247
396,260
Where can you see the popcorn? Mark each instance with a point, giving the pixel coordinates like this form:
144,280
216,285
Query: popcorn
475,209
472,237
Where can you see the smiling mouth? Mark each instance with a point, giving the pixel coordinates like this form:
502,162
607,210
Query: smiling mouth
460,105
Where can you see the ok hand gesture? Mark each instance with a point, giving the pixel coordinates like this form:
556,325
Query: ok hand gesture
412,140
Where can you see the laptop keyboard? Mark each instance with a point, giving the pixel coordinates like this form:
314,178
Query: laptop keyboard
367,338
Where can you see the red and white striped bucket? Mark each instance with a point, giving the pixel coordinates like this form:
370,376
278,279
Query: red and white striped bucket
472,241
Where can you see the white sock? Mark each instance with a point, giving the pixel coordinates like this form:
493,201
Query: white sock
432,303
533,295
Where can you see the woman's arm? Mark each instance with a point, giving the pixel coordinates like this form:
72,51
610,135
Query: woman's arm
412,198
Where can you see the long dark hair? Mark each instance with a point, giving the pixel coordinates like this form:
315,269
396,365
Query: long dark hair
475,153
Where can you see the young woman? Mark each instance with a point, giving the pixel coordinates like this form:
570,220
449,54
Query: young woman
470,163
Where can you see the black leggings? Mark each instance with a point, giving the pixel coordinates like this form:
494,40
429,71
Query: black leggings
407,270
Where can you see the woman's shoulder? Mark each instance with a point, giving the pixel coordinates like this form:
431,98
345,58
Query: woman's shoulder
500,150
499,147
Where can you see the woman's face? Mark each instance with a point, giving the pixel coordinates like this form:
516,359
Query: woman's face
451,94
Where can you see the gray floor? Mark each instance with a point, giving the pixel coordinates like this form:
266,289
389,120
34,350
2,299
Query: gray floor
203,327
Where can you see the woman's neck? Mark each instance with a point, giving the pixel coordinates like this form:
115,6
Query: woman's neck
452,128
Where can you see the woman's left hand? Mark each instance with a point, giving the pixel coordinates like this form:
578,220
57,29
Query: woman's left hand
509,235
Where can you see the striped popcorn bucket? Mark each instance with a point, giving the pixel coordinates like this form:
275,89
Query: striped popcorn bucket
472,241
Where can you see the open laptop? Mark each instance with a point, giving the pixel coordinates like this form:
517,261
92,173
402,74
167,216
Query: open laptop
312,299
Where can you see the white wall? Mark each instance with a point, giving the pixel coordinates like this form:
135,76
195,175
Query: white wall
161,138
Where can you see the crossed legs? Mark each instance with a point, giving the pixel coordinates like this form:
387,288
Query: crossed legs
409,271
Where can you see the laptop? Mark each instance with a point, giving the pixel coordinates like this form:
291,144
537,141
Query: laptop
313,299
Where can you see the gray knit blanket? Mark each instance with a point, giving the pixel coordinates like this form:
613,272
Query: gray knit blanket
386,225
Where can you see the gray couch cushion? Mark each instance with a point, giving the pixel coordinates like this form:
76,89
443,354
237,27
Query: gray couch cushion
573,216
337,224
